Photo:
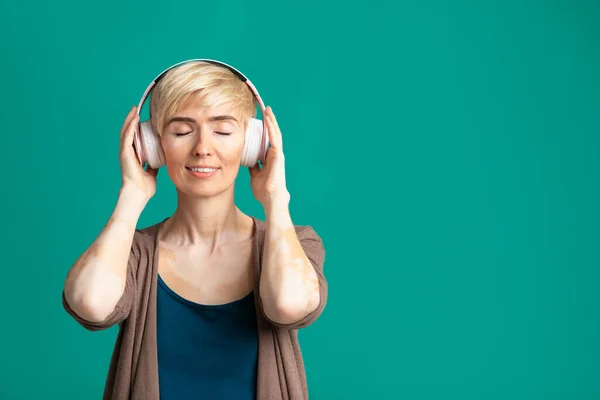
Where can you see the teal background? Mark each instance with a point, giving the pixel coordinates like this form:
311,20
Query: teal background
447,152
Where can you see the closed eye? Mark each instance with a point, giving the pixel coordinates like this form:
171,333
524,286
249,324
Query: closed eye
187,133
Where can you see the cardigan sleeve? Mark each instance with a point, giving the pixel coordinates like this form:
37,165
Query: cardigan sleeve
313,247
125,303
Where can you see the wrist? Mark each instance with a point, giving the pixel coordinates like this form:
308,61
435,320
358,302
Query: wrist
277,207
133,193
131,200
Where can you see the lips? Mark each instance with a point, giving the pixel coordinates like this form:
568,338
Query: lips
202,172
202,169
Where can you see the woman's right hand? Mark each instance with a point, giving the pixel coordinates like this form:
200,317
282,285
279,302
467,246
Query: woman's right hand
134,177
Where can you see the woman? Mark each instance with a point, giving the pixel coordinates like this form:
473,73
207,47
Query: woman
209,300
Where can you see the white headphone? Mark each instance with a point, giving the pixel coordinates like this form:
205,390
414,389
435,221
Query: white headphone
147,143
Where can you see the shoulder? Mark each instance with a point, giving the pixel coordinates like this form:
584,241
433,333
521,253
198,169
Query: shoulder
302,231
149,232
144,241
309,239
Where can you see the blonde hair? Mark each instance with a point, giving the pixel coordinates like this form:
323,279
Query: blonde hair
198,81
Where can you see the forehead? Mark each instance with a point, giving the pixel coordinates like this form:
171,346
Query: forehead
197,110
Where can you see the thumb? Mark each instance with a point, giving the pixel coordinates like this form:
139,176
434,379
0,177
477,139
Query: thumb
254,170
152,171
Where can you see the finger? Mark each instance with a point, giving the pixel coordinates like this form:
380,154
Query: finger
130,115
130,132
127,143
273,130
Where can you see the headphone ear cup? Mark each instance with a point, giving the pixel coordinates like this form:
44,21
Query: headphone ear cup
150,144
253,147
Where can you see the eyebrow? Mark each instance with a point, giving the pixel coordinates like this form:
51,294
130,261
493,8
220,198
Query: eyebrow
210,119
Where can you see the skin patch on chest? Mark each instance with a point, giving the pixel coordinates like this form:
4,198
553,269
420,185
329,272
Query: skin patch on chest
218,278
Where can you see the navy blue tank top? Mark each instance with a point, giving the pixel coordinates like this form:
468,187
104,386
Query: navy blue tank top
206,351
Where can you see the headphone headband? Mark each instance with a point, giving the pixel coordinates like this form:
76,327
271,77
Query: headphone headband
219,63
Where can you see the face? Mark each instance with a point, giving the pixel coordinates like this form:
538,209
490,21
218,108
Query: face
203,149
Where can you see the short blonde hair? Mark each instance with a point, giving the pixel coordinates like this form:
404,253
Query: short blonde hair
198,81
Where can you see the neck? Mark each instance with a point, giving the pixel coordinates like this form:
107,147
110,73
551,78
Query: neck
207,222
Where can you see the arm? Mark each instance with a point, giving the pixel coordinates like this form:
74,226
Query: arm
293,289
290,287
96,290
96,281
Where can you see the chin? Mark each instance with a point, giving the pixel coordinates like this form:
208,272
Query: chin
203,189
203,192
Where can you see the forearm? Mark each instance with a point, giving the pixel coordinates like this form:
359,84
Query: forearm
96,281
289,286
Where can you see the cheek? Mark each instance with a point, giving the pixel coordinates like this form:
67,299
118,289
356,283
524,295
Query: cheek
231,150
174,154
171,150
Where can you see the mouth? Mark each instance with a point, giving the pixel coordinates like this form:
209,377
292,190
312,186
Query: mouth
202,172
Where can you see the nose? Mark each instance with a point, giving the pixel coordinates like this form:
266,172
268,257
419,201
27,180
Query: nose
203,144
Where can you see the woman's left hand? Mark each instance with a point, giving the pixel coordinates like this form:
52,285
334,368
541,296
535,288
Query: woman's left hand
268,184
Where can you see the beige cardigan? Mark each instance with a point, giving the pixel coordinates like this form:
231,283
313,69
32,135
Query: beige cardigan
133,371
